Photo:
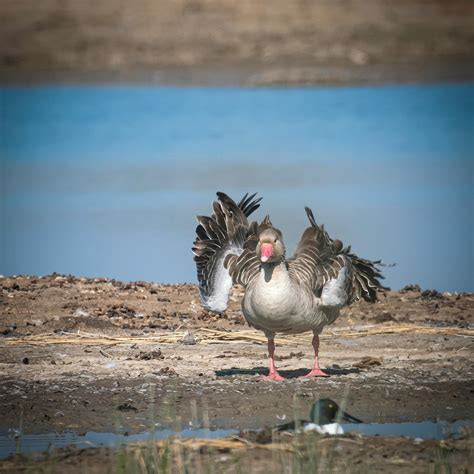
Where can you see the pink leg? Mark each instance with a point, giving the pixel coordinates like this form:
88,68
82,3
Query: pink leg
316,370
273,375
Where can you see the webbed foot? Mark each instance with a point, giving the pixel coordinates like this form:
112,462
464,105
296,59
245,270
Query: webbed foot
316,373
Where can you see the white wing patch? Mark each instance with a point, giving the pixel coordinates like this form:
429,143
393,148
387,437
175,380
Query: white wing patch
221,286
335,291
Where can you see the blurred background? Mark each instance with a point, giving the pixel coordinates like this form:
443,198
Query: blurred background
120,120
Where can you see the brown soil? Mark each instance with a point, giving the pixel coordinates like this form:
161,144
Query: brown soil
389,375
246,42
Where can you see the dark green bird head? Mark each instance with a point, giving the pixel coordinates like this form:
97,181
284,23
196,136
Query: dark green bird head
326,411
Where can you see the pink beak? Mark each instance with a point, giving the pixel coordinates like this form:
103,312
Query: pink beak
266,251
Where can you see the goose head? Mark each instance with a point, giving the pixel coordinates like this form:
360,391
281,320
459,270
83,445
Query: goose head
270,247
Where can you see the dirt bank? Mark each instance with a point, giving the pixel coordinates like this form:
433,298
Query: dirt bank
83,354
215,42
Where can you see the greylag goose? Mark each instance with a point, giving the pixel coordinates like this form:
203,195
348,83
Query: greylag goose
290,296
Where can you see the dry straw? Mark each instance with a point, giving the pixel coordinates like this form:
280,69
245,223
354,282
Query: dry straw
236,442
223,444
212,336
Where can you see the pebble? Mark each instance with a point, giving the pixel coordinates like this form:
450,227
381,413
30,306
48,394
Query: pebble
111,365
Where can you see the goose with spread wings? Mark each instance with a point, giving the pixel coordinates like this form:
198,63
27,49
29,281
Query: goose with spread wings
289,296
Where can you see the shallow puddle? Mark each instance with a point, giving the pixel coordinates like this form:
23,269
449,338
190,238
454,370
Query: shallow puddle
422,430
29,443
11,442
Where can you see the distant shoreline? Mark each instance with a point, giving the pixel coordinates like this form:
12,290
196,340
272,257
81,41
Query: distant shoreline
253,76
213,43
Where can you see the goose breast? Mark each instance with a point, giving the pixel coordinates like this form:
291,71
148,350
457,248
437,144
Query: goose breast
278,304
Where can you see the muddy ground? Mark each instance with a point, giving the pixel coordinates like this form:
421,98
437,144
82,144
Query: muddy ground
99,384
224,42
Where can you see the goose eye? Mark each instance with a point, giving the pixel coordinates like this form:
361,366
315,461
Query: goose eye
274,240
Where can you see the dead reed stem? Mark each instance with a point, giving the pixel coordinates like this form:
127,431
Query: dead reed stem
212,336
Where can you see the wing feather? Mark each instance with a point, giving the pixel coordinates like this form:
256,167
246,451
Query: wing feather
244,268
223,234
318,259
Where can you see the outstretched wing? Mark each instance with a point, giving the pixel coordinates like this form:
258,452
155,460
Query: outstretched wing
318,259
366,277
224,233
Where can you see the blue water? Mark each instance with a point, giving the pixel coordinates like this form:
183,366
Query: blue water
107,180
34,443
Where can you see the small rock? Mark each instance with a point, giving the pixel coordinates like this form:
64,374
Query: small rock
412,287
126,407
80,313
165,371
431,294
367,362
149,355
384,318
111,365
189,339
